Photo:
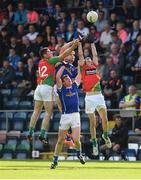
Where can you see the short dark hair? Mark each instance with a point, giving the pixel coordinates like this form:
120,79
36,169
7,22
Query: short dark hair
87,58
64,76
43,51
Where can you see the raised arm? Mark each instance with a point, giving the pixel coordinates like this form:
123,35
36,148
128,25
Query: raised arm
94,53
69,50
80,52
66,46
80,55
58,77
78,77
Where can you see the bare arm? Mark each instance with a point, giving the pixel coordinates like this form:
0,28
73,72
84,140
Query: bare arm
69,50
66,46
81,56
78,77
80,52
58,102
58,77
94,53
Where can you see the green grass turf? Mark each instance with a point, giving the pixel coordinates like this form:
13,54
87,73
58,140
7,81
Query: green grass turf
35,169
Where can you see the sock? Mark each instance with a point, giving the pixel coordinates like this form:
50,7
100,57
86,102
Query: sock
55,159
78,153
42,133
31,131
105,134
94,141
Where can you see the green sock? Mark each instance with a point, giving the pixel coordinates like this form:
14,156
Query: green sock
94,141
105,134
42,133
31,131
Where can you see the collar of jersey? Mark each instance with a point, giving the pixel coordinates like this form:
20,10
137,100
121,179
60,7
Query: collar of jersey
69,87
65,62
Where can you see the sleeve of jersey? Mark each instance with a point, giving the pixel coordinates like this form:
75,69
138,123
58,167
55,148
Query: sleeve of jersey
59,90
58,67
75,85
53,60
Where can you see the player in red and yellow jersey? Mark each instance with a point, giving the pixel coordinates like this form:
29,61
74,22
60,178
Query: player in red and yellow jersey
44,93
94,99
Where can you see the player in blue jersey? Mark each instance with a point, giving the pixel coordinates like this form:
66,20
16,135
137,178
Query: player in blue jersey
68,93
70,70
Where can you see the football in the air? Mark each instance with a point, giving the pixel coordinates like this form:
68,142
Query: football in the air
92,16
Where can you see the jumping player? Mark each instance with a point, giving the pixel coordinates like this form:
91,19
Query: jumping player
71,71
44,94
94,99
68,93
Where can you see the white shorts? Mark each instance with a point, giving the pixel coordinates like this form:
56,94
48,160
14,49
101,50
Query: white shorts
93,102
44,93
69,120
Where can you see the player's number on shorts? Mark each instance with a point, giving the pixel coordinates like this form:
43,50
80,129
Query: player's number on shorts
43,71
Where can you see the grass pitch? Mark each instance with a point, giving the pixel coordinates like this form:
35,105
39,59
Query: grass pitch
35,169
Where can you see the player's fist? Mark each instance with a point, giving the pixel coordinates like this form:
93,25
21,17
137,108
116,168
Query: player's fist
76,42
81,62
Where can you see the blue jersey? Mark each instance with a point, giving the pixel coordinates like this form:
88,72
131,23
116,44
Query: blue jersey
69,99
70,70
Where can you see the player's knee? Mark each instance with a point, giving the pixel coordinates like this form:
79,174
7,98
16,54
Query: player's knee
48,108
48,115
36,112
103,111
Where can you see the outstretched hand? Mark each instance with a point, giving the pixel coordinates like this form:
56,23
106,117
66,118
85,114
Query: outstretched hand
81,62
76,42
